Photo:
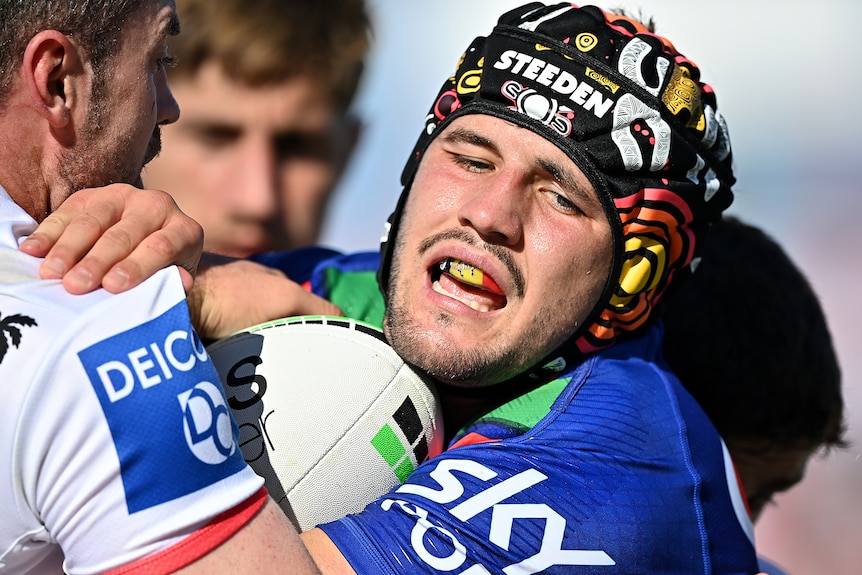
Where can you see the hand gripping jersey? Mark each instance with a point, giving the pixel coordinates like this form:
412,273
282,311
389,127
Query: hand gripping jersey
116,444
611,468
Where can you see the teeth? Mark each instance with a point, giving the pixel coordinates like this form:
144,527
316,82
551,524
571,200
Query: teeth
480,307
469,275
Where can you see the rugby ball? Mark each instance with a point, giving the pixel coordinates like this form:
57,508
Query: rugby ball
328,414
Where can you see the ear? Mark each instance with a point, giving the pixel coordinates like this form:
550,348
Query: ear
54,76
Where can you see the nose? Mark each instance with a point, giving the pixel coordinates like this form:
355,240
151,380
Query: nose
496,210
255,180
167,109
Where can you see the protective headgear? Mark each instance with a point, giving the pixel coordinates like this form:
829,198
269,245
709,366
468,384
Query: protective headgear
632,114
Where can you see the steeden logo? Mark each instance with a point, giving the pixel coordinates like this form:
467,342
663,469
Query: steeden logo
11,333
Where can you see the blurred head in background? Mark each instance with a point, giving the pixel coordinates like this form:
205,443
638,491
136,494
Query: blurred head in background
747,336
265,89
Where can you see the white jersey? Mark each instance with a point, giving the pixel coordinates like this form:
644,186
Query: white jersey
117,448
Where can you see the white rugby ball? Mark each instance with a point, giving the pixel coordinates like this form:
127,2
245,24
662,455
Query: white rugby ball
329,415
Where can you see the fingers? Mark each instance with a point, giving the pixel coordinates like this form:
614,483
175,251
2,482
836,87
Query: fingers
65,236
179,241
307,303
187,278
230,295
116,237
96,266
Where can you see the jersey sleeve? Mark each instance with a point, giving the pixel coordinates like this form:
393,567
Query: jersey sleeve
464,514
476,511
297,264
592,477
125,447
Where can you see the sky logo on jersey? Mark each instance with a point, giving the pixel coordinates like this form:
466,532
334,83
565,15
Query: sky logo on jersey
167,412
510,512
391,445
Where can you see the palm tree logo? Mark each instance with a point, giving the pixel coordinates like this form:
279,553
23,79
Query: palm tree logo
10,333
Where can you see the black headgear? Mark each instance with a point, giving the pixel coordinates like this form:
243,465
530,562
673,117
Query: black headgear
631,112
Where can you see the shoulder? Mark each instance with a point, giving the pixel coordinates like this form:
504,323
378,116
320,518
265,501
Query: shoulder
100,380
296,264
302,264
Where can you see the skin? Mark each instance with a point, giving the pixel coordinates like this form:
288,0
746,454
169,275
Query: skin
76,145
138,231
767,469
504,200
114,146
255,165
51,108
507,201
72,146
115,237
476,215
256,294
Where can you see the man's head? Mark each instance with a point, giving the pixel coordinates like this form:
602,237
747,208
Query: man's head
747,336
265,88
84,92
95,24
640,166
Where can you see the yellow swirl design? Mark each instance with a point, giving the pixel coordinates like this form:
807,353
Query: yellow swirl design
586,41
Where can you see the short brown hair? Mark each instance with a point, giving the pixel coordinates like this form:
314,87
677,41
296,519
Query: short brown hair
263,42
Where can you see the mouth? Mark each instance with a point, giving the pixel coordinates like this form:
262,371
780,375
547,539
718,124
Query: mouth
154,146
467,284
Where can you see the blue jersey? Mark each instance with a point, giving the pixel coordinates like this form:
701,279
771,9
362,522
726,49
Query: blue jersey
611,468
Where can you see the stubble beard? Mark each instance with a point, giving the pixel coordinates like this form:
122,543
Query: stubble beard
97,161
435,354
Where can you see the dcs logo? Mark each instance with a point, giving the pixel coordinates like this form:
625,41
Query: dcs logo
207,423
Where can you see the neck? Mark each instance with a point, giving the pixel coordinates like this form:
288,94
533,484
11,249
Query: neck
31,195
22,173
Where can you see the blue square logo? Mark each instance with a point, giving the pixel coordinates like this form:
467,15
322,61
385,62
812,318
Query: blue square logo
166,409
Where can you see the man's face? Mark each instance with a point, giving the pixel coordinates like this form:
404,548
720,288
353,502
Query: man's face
767,469
120,131
255,166
519,212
